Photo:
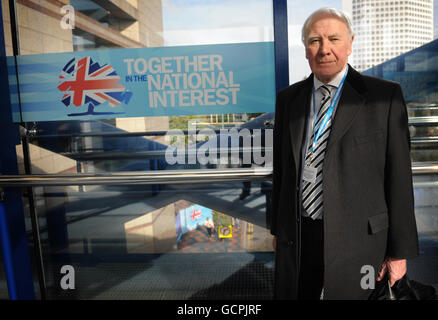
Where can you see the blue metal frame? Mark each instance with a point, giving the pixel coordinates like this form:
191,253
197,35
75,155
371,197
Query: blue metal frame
281,44
12,226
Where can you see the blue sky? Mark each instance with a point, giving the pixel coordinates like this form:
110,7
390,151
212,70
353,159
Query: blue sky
207,14
299,10
188,14
192,22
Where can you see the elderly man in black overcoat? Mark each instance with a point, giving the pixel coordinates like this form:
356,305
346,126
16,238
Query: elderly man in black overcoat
343,206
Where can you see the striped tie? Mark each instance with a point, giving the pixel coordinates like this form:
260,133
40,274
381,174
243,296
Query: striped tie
312,193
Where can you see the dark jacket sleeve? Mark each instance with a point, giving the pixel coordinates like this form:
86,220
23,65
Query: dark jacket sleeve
402,233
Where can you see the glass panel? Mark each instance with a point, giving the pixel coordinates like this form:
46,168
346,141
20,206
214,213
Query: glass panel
211,22
9,52
416,72
113,235
297,14
423,268
127,242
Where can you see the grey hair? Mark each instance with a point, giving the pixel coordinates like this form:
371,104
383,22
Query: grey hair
331,12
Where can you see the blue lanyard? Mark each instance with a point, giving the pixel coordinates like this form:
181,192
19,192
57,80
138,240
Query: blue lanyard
328,114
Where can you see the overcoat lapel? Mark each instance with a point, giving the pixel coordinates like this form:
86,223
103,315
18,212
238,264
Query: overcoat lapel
349,106
298,113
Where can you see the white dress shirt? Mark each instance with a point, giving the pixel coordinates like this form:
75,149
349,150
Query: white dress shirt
333,86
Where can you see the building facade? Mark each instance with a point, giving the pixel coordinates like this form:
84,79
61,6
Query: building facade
385,29
94,25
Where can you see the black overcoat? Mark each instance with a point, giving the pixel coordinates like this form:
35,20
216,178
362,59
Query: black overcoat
367,185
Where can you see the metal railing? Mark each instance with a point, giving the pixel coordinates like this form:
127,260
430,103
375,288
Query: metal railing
423,121
161,177
424,168
161,154
131,178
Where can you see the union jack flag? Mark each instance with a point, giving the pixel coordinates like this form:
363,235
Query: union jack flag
196,214
87,83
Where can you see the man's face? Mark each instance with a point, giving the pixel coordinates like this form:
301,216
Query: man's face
328,45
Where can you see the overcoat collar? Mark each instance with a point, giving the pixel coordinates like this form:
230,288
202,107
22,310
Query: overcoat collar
351,101
299,111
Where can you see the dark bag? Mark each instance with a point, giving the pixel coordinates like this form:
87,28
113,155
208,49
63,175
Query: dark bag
403,289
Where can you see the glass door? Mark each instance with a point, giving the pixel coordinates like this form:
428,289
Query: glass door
183,213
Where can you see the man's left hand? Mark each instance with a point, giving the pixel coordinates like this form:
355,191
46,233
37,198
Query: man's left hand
396,269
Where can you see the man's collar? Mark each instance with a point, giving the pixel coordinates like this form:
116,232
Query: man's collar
335,82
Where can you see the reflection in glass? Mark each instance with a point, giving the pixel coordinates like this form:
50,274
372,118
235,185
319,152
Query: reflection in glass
158,244
416,72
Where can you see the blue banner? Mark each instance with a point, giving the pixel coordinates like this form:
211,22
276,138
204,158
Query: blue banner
191,218
144,82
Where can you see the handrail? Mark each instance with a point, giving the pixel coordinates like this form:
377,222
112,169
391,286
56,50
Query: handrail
33,135
424,168
161,177
158,154
424,139
85,155
132,178
423,121
417,105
